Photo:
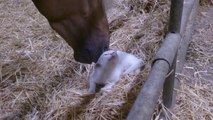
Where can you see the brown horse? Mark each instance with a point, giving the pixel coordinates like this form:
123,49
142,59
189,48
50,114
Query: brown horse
82,23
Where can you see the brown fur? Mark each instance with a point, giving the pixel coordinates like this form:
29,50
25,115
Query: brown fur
82,23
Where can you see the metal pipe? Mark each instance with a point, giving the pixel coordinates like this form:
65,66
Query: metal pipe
147,99
169,95
188,28
187,9
175,16
150,92
185,42
169,85
168,91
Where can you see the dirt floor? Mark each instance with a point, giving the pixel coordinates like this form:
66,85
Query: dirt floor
39,78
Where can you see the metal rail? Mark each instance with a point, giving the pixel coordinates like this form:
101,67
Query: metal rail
146,101
164,63
176,9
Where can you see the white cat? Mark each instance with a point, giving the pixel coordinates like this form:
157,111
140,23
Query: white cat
110,66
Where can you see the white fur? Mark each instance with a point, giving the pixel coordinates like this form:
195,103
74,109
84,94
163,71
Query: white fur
110,66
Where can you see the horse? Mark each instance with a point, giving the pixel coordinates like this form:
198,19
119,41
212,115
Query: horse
81,23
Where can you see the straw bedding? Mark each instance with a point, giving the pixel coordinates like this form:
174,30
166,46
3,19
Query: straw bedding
39,78
195,96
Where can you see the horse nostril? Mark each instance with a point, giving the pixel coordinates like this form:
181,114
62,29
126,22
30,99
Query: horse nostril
92,54
88,52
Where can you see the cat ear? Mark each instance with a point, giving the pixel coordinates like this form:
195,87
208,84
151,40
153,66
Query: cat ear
114,54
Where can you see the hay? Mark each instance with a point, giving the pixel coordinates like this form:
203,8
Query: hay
195,97
206,2
39,78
